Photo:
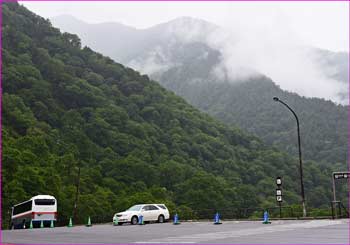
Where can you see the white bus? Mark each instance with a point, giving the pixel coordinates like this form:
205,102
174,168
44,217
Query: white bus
38,208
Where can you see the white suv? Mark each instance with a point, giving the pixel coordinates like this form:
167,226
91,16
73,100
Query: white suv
150,212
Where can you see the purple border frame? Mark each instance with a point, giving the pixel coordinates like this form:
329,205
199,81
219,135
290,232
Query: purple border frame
1,123
1,1
177,0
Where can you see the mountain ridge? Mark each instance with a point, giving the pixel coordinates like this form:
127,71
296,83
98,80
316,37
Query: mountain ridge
177,22
194,70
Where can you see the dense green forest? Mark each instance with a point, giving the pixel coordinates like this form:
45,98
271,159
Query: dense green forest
247,103
195,70
67,108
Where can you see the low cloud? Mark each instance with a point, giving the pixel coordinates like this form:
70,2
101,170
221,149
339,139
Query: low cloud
155,61
278,54
250,50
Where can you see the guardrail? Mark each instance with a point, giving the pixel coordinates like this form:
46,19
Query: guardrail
98,219
286,212
337,210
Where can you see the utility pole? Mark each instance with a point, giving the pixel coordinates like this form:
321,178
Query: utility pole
75,210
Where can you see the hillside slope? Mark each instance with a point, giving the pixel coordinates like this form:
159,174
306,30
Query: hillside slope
72,117
248,104
183,62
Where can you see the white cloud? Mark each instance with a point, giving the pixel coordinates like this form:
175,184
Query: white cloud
155,61
277,54
260,37
321,24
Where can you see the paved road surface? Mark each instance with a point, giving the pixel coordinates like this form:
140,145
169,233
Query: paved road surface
301,232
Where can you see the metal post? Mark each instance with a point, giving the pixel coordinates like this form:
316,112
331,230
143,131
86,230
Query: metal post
334,198
301,170
75,211
280,210
300,161
334,208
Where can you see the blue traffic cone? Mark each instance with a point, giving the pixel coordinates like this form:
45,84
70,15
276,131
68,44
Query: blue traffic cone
217,219
266,218
141,222
176,220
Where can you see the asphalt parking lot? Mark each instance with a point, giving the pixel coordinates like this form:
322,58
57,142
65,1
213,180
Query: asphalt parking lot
230,232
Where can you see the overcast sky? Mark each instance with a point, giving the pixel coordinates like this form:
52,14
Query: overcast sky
319,24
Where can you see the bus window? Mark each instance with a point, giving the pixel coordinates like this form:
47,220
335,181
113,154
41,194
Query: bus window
24,207
44,202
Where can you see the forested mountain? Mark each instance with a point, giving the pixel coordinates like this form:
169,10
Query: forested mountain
158,44
69,110
139,47
249,105
182,61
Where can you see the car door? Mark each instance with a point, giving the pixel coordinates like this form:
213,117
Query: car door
146,213
154,212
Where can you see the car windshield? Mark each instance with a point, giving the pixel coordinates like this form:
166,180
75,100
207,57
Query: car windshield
135,208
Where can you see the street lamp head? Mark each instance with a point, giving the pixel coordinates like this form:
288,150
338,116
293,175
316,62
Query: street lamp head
276,99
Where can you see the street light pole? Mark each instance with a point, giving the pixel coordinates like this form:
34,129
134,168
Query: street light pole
300,161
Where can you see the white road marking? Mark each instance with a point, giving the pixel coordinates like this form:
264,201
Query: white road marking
203,237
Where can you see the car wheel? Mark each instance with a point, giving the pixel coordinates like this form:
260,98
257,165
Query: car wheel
134,220
161,218
120,223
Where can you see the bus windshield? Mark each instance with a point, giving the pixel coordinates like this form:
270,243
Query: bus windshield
44,202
